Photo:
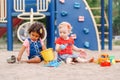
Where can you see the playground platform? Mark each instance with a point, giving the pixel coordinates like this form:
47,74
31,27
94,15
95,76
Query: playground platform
81,71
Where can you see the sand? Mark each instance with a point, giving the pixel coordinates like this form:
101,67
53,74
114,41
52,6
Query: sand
80,71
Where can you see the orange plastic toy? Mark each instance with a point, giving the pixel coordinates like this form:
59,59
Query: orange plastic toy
103,64
103,58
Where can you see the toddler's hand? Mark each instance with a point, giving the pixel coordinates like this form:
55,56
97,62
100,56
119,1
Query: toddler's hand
83,54
81,50
18,58
63,46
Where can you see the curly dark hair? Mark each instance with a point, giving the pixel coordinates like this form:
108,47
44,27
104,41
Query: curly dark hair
38,28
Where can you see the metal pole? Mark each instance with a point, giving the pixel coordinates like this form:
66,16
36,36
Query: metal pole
51,26
102,24
9,25
110,23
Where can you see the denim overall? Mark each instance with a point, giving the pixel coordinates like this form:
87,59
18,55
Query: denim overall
35,48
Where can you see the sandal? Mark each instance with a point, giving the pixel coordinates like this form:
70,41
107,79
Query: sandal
12,59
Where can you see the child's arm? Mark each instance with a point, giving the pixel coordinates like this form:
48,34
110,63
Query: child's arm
77,49
43,47
21,53
57,47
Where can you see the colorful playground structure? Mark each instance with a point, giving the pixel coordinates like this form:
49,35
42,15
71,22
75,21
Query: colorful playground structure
76,12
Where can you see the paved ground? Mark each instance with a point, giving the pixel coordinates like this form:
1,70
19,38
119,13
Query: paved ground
81,71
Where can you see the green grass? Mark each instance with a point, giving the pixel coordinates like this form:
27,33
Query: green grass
117,42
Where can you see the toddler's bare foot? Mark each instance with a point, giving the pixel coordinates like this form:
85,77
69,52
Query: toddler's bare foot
118,60
73,63
22,61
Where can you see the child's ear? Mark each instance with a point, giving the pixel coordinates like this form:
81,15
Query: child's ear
69,26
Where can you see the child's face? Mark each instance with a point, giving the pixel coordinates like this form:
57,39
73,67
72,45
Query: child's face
64,32
34,36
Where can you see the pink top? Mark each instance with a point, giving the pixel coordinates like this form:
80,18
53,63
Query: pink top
27,45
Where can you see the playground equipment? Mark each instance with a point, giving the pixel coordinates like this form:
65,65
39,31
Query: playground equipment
19,6
77,12
22,32
82,21
15,21
26,10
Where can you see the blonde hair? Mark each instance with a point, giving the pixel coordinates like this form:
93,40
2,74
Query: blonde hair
65,24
